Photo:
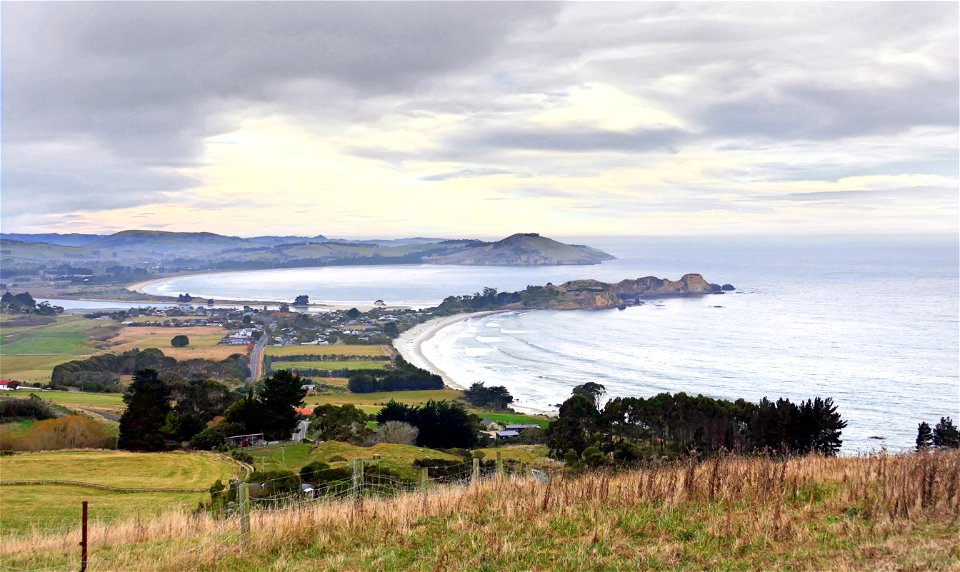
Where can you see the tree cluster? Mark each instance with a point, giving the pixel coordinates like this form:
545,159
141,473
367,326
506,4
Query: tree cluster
440,424
161,415
496,397
339,423
489,299
403,376
23,303
944,435
102,373
627,429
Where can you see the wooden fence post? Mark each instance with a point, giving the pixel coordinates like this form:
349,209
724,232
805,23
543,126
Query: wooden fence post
424,480
83,538
499,465
475,476
357,481
244,498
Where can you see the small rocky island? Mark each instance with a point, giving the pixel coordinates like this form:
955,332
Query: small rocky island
583,295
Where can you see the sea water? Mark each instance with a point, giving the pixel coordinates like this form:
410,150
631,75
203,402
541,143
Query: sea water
870,321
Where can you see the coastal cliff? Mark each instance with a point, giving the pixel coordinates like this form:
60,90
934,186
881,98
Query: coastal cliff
582,295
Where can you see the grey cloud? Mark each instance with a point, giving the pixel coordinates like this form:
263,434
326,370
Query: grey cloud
472,173
146,81
577,140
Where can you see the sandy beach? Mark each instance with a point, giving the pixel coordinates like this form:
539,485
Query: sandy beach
409,343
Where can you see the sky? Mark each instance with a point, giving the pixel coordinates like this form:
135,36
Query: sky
480,119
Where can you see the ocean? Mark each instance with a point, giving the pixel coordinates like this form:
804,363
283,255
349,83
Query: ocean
870,321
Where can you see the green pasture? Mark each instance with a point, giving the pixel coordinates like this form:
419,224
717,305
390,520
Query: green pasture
328,364
55,505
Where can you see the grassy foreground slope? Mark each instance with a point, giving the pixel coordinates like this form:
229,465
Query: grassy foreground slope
155,482
812,514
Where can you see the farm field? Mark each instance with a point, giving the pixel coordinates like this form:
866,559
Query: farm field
53,505
328,364
68,398
30,352
203,341
510,418
372,402
334,350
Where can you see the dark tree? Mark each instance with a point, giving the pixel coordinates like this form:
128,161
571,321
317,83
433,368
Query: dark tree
180,341
495,397
823,426
302,300
390,330
592,391
575,428
197,403
279,394
284,307
353,313
245,413
924,436
143,424
333,423
946,435
442,424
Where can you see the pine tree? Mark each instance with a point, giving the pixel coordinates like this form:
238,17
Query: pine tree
924,436
279,395
142,425
946,435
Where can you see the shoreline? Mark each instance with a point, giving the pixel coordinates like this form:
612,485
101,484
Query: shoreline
139,287
409,344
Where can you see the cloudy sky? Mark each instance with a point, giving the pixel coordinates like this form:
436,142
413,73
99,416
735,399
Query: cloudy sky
447,119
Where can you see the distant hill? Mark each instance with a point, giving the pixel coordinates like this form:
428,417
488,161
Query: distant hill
72,239
523,249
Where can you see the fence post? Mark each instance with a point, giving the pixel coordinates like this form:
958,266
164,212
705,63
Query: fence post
357,481
475,477
499,465
244,513
83,538
424,480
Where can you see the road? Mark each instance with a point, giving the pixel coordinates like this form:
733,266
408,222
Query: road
256,359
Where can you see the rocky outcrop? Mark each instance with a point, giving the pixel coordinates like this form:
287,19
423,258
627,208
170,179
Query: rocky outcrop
593,294
651,286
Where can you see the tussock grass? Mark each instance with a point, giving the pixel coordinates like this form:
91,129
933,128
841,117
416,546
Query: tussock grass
733,513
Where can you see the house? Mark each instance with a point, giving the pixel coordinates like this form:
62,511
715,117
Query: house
519,428
507,434
490,425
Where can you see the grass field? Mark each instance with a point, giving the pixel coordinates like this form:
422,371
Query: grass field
726,514
328,364
68,398
29,353
47,506
334,350
203,341
372,402
511,418
292,457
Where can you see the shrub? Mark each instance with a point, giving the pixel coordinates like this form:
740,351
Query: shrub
71,432
397,432
272,483
31,408
180,341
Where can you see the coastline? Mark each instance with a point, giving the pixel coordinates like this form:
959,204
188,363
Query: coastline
139,288
409,345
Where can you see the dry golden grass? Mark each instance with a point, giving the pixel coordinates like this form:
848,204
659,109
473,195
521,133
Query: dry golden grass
880,512
203,341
